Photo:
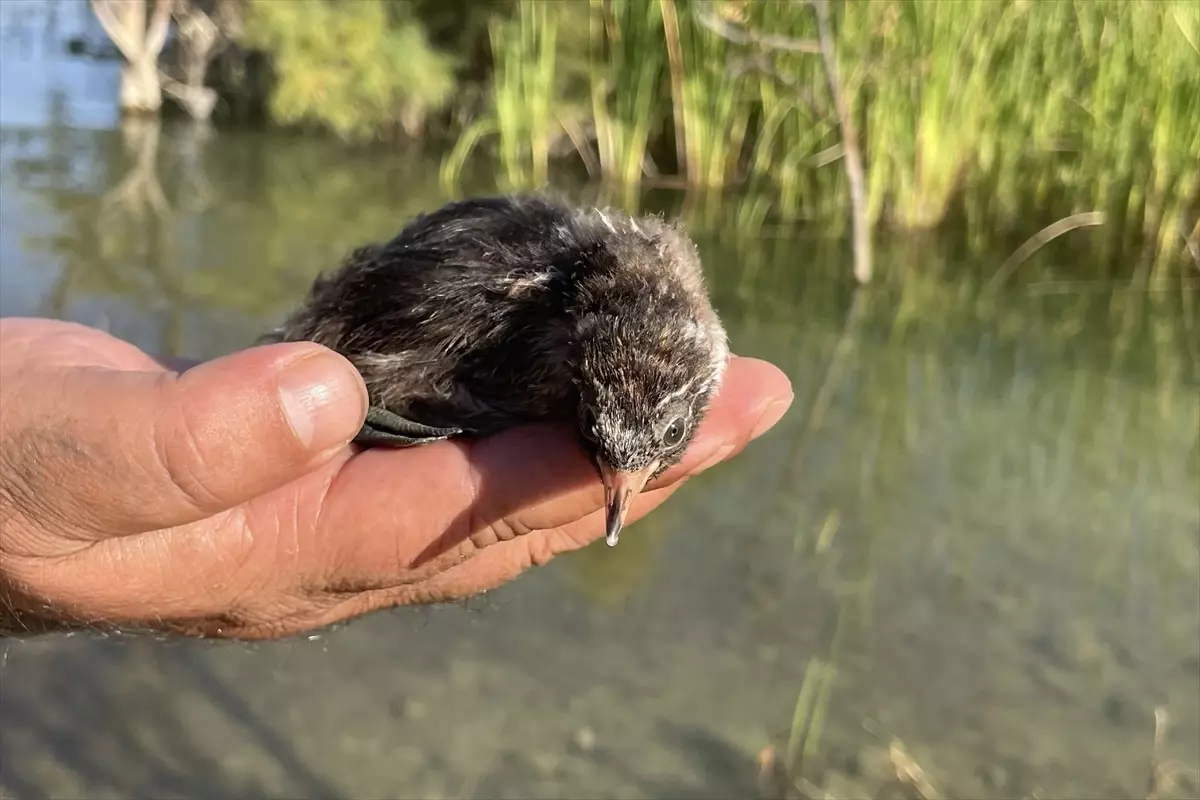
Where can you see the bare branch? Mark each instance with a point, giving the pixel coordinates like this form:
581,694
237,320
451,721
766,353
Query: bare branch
160,26
194,25
760,63
115,29
197,100
1193,244
849,149
742,35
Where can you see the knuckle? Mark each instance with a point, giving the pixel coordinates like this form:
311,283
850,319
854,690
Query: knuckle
484,525
504,529
541,550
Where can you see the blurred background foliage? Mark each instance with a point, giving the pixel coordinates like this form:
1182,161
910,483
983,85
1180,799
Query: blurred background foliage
360,68
967,109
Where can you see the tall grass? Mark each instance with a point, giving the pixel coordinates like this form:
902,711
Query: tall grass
711,109
1098,106
1013,111
796,119
929,111
627,62
522,115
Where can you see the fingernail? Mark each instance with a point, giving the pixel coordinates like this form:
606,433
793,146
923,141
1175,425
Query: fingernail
770,415
324,400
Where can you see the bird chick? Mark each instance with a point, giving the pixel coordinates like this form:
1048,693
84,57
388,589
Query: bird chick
493,312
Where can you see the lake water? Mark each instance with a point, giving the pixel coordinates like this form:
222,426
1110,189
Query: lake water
976,534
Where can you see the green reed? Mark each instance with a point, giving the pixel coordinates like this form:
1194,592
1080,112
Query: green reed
626,69
1014,112
711,107
1109,94
523,110
927,111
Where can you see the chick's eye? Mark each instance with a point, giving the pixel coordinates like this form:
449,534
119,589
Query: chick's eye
673,434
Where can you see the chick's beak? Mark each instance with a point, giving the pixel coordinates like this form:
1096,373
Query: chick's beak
620,488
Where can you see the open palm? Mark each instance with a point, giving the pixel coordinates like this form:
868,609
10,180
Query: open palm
133,495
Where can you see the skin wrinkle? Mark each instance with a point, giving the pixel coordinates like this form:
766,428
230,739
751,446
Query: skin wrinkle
232,544
108,557
448,546
403,572
527,552
175,451
293,548
321,509
14,495
335,559
40,449
503,527
220,589
474,478
20,582
435,590
480,529
484,527
125,554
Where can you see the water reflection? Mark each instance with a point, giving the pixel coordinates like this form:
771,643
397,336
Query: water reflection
977,532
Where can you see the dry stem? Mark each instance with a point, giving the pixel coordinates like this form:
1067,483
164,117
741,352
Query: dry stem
909,772
742,35
852,161
853,156
1039,240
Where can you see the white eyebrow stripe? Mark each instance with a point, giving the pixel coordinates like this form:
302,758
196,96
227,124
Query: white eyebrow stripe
714,333
697,384
675,395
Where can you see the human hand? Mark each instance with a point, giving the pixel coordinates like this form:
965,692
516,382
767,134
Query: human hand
227,501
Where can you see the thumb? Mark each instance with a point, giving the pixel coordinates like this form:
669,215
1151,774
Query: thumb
126,452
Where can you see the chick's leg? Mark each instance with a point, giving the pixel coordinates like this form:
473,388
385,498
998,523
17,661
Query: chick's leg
382,428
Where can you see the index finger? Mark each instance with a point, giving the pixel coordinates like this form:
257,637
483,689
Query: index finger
394,509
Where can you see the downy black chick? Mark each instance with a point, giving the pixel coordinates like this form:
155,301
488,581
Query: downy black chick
493,312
